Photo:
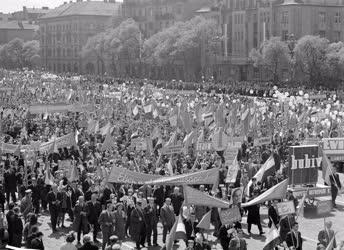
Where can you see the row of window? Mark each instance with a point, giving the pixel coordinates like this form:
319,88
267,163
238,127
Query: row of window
238,18
61,52
63,67
68,27
150,12
322,18
336,35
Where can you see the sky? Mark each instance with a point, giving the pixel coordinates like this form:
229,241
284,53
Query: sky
9,6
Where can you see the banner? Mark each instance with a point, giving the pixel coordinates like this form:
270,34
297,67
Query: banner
333,146
229,216
198,198
175,149
61,142
58,108
123,175
285,208
201,177
324,207
303,165
317,97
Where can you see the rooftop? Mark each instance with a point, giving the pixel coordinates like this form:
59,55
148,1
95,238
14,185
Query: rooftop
88,8
15,25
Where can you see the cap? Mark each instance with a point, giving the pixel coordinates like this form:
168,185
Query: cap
28,191
150,198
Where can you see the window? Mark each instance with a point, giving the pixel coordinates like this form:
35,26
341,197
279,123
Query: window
337,36
322,17
322,33
337,18
285,17
284,35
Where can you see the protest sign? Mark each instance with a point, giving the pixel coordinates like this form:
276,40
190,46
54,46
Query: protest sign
262,141
204,146
317,97
303,165
284,208
65,165
175,149
231,215
324,207
236,142
333,146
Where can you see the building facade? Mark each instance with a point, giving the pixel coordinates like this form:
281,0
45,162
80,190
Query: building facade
155,15
247,23
66,29
10,30
30,14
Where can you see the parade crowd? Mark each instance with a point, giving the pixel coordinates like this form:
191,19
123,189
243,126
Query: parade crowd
107,117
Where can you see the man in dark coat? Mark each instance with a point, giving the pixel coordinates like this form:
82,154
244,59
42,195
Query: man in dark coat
152,219
253,217
94,208
138,225
285,226
167,218
106,223
80,223
17,228
10,181
335,186
9,218
53,207
177,200
294,238
225,235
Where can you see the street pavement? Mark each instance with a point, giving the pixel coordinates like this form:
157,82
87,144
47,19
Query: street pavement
309,227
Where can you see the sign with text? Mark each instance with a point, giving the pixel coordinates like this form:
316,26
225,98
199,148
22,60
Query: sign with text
236,141
175,149
303,165
312,192
204,146
324,206
333,146
311,141
262,141
317,97
284,208
231,215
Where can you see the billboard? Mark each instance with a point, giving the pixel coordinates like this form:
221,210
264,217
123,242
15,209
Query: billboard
303,164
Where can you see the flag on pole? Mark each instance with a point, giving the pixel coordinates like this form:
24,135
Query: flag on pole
272,238
274,193
48,178
108,143
73,175
104,130
331,243
177,232
264,171
205,221
170,167
232,171
300,209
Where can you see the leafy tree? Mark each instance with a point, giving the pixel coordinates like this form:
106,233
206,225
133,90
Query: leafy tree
30,53
335,61
273,56
15,48
311,59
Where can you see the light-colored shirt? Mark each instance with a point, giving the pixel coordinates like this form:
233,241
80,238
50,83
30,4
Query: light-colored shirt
68,246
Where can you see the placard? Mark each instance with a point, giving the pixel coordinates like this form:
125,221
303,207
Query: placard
176,149
333,146
65,165
312,192
324,207
231,215
311,141
317,97
303,165
236,142
284,208
262,141
204,146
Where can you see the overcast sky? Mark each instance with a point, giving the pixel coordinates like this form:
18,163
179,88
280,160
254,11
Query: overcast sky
7,6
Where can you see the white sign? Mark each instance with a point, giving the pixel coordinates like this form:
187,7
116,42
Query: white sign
284,208
262,141
333,146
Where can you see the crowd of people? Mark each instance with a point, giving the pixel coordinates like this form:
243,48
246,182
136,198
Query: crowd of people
105,117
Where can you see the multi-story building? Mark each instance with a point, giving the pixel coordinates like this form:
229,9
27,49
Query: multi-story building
247,23
10,30
155,15
66,29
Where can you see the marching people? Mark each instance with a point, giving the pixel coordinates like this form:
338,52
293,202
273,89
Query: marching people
26,204
335,185
80,223
294,239
106,221
167,218
138,225
326,235
152,219
120,221
16,228
54,207
94,209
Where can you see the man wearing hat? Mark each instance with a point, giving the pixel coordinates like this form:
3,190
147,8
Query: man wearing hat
26,203
138,225
152,219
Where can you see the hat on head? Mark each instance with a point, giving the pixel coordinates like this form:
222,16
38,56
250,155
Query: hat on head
28,191
150,198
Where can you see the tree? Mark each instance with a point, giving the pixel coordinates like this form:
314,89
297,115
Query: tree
335,61
273,56
310,54
15,49
30,53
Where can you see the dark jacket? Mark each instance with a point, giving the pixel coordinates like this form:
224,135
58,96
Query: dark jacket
89,246
80,218
137,224
291,240
93,211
